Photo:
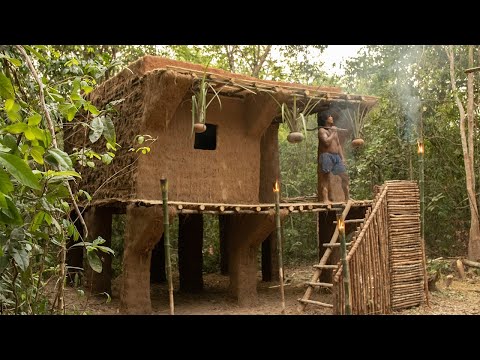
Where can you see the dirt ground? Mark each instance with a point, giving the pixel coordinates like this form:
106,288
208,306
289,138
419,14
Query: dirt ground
462,297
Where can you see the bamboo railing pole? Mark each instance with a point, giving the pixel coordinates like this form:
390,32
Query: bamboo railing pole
385,262
372,262
368,239
356,286
346,274
378,270
421,150
276,191
386,247
166,232
364,279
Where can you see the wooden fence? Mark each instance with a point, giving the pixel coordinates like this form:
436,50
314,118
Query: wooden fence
386,260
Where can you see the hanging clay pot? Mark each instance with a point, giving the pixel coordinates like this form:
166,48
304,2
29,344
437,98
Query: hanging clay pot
295,137
357,142
199,128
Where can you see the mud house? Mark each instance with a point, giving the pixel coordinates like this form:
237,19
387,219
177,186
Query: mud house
227,171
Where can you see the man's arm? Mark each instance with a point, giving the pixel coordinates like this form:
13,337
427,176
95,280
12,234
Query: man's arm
340,150
325,137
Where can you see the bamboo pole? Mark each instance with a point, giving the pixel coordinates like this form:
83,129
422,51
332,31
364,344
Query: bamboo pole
166,232
421,150
276,191
346,274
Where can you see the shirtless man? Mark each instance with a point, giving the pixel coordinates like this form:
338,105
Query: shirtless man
331,160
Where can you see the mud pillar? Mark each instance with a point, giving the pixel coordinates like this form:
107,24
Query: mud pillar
222,219
269,172
245,233
190,257
99,223
143,230
157,264
270,258
75,254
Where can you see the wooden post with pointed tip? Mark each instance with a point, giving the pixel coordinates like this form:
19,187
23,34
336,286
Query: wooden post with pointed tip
421,183
166,232
276,191
346,270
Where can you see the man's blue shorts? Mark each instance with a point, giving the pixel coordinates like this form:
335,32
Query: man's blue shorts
332,163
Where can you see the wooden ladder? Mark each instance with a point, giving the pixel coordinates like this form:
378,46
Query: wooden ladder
305,300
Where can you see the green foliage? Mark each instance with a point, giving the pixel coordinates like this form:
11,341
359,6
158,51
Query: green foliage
298,165
295,63
211,244
413,81
34,175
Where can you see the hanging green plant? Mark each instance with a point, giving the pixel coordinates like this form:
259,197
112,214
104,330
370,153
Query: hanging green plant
357,118
294,117
200,104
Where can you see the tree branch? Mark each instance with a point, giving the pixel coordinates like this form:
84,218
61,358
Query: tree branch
230,56
261,60
51,128
42,96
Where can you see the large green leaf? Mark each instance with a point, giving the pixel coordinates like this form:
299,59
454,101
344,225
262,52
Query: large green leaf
68,110
9,141
21,258
10,215
14,61
56,191
38,133
90,107
37,220
97,128
3,201
34,120
106,159
94,261
29,134
59,158
19,170
6,88
9,104
109,130
16,128
37,154
6,185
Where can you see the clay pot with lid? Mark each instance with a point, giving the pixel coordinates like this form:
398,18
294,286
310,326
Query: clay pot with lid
199,128
295,137
357,142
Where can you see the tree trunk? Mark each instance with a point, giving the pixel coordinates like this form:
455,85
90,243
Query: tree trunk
260,60
468,151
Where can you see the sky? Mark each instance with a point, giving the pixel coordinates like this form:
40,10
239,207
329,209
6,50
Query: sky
335,54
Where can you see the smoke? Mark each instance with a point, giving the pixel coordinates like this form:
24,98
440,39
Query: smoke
406,90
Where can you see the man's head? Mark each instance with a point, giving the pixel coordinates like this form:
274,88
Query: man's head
325,119
329,121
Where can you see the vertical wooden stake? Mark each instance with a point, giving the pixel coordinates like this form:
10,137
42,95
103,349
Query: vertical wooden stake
276,191
166,231
421,184
346,272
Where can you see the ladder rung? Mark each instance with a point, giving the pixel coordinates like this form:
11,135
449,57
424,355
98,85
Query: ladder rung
319,284
313,302
336,244
325,266
349,221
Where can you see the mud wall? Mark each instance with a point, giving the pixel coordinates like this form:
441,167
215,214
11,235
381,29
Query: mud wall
228,174
130,87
